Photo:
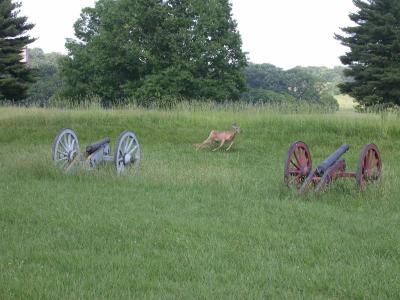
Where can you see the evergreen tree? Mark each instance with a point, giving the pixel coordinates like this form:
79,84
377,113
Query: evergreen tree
15,76
374,57
153,49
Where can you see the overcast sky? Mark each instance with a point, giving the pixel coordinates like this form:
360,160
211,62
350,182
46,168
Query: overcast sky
285,33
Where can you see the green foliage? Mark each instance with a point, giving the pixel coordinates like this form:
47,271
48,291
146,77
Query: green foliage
48,81
329,78
267,96
15,76
153,49
266,77
302,85
268,83
374,56
326,74
328,100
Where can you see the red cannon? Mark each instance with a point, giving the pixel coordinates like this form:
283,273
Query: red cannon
298,167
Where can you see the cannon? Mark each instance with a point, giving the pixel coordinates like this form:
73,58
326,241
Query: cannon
66,152
298,167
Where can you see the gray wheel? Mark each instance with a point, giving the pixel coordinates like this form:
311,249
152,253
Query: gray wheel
127,151
65,148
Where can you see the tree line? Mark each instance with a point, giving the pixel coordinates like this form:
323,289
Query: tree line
159,50
264,82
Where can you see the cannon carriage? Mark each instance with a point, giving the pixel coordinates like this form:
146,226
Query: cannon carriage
298,169
66,151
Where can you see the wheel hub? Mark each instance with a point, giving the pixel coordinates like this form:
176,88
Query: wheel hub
304,170
127,159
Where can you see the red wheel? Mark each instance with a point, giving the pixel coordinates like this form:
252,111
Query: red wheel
369,165
298,164
330,175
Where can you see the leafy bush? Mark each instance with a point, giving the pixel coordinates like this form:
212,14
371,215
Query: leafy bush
329,101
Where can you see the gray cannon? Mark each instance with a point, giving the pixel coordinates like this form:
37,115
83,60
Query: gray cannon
331,159
66,153
298,167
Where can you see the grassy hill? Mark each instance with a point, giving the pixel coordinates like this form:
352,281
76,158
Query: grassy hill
195,224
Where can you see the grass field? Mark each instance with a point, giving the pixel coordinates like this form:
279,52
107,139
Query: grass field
205,225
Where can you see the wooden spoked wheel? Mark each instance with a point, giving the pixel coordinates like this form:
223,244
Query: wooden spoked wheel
369,165
65,148
298,164
127,152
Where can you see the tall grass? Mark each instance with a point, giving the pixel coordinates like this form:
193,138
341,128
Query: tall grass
93,102
195,224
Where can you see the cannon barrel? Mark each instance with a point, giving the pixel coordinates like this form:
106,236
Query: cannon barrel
97,145
331,159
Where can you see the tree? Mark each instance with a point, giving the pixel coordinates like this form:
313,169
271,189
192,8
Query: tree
374,56
329,78
302,85
15,76
269,83
150,49
46,69
267,77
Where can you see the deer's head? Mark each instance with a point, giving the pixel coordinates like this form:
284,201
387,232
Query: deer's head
236,128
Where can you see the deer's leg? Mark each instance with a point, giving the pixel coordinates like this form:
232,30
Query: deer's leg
222,143
203,144
208,141
229,146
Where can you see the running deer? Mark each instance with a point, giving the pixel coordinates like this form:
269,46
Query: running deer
221,137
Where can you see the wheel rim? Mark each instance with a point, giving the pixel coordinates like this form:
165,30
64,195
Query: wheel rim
65,148
369,165
298,164
127,151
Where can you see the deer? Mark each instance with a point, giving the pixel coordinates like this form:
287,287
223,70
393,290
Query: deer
220,136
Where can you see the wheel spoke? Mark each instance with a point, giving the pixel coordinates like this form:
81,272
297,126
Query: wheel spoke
307,160
133,149
69,140
376,159
73,144
294,164
301,156
365,165
62,143
128,146
374,166
369,163
295,156
122,146
66,143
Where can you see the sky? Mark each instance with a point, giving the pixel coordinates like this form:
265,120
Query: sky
285,33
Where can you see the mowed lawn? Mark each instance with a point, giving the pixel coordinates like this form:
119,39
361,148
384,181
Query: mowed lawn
195,224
